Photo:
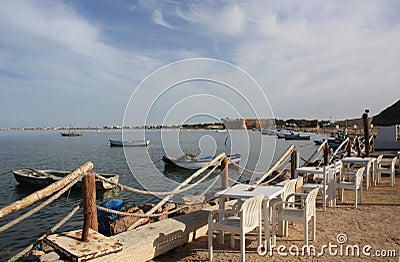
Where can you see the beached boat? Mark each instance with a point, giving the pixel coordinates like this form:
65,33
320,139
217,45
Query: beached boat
119,142
43,178
292,136
190,161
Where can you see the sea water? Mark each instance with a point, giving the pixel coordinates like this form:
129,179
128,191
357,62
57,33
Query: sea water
137,167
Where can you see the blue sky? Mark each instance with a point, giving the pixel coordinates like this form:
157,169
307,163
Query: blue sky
79,62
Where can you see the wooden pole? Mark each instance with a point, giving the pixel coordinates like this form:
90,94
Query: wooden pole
293,163
45,192
89,205
326,154
366,132
224,173
349,146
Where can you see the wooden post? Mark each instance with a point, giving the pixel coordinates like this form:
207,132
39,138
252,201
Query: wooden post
366,132
89,205
349,146
224,173
293,163
326,154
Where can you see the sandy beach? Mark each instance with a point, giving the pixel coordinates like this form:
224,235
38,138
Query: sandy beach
373,227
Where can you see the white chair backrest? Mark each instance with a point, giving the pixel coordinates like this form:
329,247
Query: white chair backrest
379,160
359,176
288,188
393,163
310,202
338,166
250,211
327,172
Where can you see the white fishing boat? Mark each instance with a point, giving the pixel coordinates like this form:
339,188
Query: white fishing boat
191,161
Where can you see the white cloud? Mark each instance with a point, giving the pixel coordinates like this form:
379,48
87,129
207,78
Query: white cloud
309,52
158,19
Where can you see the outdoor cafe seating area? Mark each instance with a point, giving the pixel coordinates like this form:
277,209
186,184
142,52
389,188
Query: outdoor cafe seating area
300,200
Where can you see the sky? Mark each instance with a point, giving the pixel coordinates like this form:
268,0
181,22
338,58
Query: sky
88,62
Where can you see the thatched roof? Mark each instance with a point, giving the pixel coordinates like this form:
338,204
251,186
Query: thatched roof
388,117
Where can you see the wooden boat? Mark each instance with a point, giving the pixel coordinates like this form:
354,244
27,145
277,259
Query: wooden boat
190,161
119,142
43,178
332,142
71,134
296,137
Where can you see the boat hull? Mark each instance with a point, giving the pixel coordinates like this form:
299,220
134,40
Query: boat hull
124,143
71,134
29,177
195,164
297,137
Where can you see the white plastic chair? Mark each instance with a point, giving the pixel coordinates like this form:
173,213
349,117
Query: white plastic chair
289,187
301,213
325,187
248,219
354,184
386,170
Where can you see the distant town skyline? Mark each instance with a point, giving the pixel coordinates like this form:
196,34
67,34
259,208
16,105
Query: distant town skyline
79,62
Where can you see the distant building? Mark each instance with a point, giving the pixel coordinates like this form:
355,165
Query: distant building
242,123
234,123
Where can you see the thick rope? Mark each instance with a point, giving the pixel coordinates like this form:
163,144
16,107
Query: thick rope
51,231
139,191
247,170
278,175
45,203
119,213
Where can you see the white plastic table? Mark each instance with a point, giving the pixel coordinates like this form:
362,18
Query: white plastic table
368,162
319,171
241,191
309,170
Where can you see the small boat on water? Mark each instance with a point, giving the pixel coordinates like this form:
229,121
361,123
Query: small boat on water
71,134
191,161
119,142
43,178
332,142
293,136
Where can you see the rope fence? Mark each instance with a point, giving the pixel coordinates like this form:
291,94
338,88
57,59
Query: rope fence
164,193
120,213
39,207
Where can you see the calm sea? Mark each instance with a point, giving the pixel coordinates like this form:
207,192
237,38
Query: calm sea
48,150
